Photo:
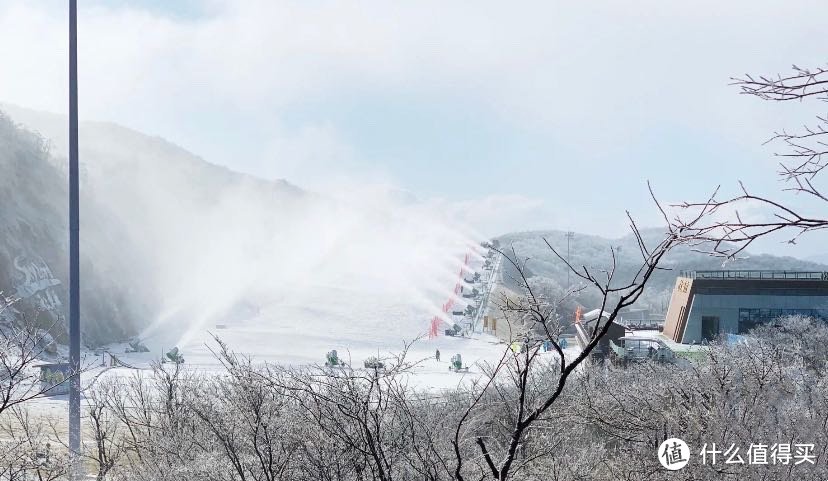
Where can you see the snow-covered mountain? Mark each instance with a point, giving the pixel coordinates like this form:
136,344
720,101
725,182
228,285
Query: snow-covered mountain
550,274
138,193
32,244
172,245
821,259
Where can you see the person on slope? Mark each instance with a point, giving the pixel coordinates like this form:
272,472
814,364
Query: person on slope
437,355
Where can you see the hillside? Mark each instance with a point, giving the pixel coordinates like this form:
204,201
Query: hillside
138,195
550,274
32,226
172,246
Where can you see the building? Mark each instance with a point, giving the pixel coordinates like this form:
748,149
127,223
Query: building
585,326
707,304
54,378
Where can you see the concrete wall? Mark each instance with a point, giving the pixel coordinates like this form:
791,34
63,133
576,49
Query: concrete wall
505,325
674,322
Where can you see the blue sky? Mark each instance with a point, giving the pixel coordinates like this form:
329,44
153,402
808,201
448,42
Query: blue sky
177,9
567,108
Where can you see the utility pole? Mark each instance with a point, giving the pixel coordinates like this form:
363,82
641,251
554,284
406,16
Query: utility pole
74,250
569,236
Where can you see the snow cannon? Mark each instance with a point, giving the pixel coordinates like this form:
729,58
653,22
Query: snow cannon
174,356
374,363
456,364
332,359
137,346
472,295
454,331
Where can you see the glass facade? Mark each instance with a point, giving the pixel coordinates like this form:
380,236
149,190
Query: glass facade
708,304
711,315
751,317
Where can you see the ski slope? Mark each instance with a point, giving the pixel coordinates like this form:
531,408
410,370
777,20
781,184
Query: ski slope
360,319
303,325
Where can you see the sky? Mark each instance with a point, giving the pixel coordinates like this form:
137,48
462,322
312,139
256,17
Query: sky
532,116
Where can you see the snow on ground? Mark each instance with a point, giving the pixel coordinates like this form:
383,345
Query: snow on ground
301,326
427,373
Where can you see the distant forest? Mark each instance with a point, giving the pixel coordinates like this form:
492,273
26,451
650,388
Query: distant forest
548,274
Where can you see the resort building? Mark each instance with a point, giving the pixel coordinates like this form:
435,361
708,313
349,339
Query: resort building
707,304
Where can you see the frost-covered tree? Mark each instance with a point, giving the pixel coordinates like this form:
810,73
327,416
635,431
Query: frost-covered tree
804,156
763,393
26,449
22,345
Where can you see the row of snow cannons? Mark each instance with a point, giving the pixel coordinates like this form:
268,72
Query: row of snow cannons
436,321
332,359
136,345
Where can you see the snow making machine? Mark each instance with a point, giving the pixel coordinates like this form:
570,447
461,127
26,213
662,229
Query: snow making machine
374,363
455,330
456,364
136,345
174,356
473,294
332,359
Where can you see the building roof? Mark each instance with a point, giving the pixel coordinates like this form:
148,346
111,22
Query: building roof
593,314
673,345
736,275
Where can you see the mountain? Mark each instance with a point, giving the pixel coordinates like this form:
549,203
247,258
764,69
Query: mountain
173,246
820,258
150,211
549,273
33,227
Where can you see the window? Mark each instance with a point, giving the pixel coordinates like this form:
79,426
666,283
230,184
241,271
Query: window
750,318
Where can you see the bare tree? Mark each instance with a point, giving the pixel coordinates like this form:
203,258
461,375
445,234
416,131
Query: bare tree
516,379
25,448
369,417
22,346
743,397
108,444
249,420
162,438
804,157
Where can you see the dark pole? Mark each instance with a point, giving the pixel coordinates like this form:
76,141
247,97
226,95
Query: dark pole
569,236
74,247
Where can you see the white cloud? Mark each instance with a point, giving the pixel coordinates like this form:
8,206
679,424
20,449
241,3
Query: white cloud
309,156
540,61
594,77
498,214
